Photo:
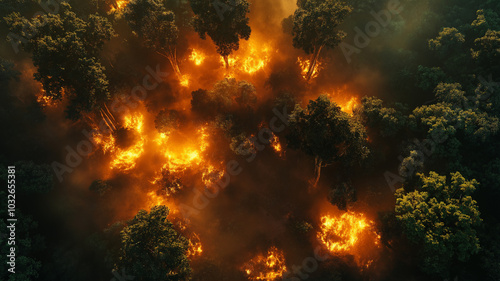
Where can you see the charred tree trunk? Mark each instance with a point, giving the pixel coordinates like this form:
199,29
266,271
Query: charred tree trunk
314,62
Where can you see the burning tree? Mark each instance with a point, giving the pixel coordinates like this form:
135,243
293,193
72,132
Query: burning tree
151,20
65,52
315,25
325,132
152,249
225,21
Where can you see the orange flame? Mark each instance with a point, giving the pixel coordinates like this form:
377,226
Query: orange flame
197,57
304,66
267,268
119,5
195,247
350,105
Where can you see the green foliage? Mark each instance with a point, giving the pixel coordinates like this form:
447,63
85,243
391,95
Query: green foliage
152,22
100,186
442,216
152,250
388,121
323,130
342,195
33,178
65,50
315,24
225,21
226,95
448,40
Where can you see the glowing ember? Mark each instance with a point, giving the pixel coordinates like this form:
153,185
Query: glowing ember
304,66
195,247
276,145
267,268
211,175
119,5
197,57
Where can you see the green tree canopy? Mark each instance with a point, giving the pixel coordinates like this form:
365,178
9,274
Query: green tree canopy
155,25
315,26
225,21
151,248
441,215
324,131
65,52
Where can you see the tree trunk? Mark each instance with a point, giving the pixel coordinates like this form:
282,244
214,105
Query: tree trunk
318,164
314,62
172,58
226,61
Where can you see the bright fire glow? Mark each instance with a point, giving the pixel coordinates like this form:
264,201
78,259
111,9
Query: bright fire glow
276,145
197,57
195,247
186,154
254,59
155,199
119,5
304,65
350,105
125,158
268,268
350,233
184,80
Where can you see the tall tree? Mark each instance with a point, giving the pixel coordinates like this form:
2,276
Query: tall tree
152,22
225,21
315,26
152,249
65,52
440,215
325,132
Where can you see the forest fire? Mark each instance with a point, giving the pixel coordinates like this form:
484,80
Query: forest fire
184,80
268,268
195,247
119,5
304,66
197,57
350,233
276,145
350,105
125,158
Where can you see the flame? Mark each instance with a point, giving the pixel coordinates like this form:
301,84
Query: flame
125,158
187,154
184,80
276,145
351,233
267,268
155,199
119,5
195,247
254,59
349,106
211,175
197,57
304,66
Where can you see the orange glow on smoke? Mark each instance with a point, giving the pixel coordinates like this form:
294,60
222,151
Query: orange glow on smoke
155,200
268,268
197,57
304,66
